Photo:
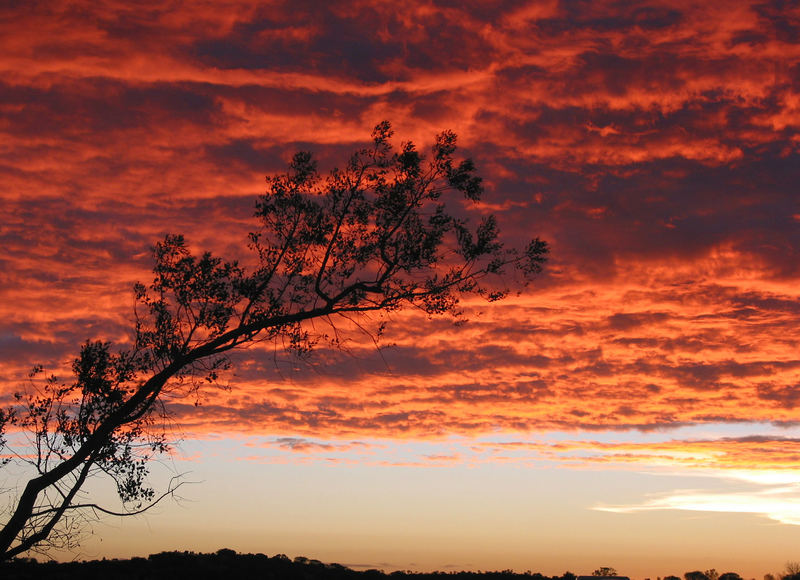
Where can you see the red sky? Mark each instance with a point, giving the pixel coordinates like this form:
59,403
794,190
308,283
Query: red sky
654,145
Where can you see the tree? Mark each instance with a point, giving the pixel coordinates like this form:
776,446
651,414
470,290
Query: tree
791,571
604,571
374,236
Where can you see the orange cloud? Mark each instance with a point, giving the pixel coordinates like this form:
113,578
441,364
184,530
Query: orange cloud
653,145
740,455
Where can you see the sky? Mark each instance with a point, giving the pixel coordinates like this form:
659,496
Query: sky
638,406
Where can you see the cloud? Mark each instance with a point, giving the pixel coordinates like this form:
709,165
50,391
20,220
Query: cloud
653,145
301,445
779,504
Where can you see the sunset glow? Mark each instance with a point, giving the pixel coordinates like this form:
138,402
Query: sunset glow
637,406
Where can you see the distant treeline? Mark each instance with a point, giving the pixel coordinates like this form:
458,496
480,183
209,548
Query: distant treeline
228,565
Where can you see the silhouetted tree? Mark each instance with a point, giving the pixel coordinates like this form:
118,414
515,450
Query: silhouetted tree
695,575
791,571
604,571
730,576
373,236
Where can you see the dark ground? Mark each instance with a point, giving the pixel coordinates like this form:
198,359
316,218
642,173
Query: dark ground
228,565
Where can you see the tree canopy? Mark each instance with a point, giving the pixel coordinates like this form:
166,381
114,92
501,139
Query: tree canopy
376,235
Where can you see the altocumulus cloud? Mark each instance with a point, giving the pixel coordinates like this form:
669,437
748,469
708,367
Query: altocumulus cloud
654,145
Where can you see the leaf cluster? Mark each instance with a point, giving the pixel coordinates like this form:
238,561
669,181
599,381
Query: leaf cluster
61,418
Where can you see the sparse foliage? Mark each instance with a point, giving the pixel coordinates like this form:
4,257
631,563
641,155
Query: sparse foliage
791,571
604,571
374,236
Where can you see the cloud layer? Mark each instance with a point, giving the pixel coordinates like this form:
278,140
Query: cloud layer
655,146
